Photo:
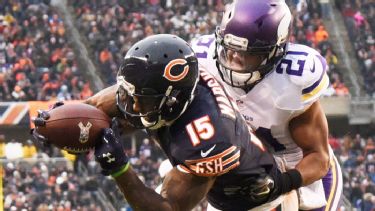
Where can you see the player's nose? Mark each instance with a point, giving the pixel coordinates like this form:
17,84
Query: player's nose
235,57
136,107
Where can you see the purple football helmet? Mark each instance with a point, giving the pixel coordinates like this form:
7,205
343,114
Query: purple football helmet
252,28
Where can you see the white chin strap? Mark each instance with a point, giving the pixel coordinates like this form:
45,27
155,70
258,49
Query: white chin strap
152,125
161,122
240,79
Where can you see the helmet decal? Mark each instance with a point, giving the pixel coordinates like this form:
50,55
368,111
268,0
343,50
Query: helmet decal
228,15
168,70
283,29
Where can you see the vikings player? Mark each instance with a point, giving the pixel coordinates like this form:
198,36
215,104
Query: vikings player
277,85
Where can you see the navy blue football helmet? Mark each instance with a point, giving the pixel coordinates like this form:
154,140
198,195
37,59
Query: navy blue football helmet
159,75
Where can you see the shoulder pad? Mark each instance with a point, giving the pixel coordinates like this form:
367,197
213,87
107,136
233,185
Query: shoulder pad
306,69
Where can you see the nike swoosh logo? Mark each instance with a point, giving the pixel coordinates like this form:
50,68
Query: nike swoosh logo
313,69
204,154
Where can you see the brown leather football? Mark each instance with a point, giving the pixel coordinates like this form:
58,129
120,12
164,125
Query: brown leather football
74,127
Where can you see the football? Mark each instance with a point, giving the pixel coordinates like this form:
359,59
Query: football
74,127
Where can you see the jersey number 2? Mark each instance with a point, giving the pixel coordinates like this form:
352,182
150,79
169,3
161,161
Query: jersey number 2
203,46
200,129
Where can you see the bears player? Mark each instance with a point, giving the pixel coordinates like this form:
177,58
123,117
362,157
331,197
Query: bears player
198,128
276,85
187,112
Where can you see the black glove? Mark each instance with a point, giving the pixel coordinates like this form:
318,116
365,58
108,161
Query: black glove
110,154
257,190
40,121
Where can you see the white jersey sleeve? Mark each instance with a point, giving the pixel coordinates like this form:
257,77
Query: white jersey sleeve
204,48
307,69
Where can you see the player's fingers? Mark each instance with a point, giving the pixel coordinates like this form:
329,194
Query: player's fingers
40,139
108,135
40,122
57,104
43,114
105,138
115,126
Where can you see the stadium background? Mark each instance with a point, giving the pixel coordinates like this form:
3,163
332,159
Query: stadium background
68,50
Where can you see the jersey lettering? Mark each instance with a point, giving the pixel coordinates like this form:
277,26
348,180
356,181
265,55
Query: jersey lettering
224,103
217,164
210,167
202,47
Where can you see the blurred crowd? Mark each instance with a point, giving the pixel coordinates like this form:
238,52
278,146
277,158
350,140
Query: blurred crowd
357,157
44,186
36,62
308,29
32,181
359,18
64,184
112,27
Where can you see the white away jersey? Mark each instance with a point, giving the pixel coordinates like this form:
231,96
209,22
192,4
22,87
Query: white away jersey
298,80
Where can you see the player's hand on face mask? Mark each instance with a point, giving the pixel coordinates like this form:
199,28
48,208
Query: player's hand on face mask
110,154
40,121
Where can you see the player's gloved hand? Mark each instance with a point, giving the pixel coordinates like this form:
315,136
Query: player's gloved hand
40,121
258,190
110,154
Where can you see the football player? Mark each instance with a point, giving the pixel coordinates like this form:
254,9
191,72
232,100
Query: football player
187,112
276,85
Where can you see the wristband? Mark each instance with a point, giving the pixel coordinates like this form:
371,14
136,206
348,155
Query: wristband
291,180
123,169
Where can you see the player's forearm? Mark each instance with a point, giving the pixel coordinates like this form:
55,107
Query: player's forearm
138,195
105,100
313,166
310,132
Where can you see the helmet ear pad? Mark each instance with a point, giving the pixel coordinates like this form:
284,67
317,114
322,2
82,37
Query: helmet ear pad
174,105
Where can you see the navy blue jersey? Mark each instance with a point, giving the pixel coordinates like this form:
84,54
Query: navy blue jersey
212,139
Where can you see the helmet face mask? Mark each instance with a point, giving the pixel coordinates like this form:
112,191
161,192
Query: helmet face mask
257,33
238,60
156,81
140,108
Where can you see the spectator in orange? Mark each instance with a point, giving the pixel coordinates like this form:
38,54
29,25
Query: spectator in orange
341,89
105,56
148,30
86,91
321,34
370,147
61,29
